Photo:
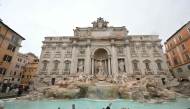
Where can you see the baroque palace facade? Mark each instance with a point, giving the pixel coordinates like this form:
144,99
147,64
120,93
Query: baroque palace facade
102,50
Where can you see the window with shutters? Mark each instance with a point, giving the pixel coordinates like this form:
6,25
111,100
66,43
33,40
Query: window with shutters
15,73
170,45
11,48
20,73
179,37
183,46
187,56
14,38
179,70
7,58
2,71
175,61
173,52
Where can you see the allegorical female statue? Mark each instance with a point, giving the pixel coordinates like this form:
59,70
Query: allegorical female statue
80,67
100,68
121,66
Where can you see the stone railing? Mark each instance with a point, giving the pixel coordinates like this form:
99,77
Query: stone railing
54,71
43,71
149,72
137,71
161,71
66,72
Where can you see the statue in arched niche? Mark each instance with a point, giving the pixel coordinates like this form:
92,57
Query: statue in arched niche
121,66
80,67
100,68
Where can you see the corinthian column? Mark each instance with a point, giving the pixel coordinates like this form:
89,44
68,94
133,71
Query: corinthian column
73,63
88,58
129,66
114,59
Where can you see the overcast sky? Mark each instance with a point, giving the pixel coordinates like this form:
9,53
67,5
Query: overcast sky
36,19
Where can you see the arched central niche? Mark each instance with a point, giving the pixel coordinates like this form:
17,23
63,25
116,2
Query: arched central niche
100,53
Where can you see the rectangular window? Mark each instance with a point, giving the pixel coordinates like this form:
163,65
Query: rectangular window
17,66
143,48
11,48
173,52
159,65
66,66
171,45
135,66
147,65
15,73
48,50
55,65
22,67
179,70
179,37
18,79
187,56
58,49
2,71
23,76
183,46
20,73
45,65
13,79
175,61
132,48
7,58
14,39
19,59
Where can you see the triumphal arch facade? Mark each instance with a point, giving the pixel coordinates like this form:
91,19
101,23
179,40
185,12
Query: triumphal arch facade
104,52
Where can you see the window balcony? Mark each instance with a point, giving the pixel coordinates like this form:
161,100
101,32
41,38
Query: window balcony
149,72
66,71
43,71
54,72
136,71
161,71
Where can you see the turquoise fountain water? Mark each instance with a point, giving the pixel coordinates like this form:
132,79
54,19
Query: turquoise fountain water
92,104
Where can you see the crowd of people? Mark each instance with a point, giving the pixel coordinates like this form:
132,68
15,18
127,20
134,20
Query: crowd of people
6,88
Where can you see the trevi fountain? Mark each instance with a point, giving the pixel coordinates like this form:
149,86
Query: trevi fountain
102,64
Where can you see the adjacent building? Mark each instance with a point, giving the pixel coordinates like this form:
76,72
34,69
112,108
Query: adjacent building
102,50
10,42
30,71
17,71
178,52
